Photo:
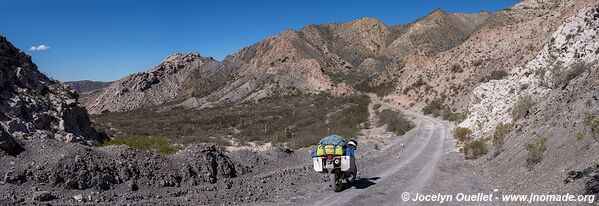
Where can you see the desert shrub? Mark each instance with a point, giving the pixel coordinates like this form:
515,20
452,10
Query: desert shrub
376,106
495,75
592,122
501,130
562,76
382,89
535,151
453,116
156,144
477,63
474,149
434,108
522,107
579,136
396,121
462,134
420,82
456,68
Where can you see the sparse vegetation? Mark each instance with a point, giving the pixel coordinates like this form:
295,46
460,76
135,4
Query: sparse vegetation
437,108
420,82
563,76
462,134
501,130
474,149
156,144
592,122
522,107
376,106
396,121
456,68
382,89
434,108
297,120
535,151
579,136
477,63
495,75
453,116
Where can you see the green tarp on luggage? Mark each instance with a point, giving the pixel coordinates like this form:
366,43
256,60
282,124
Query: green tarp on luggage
331,145
333,140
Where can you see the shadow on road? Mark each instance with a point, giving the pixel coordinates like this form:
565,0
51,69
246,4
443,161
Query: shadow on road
364,183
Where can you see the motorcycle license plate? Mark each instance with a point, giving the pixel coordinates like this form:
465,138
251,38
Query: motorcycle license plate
329,166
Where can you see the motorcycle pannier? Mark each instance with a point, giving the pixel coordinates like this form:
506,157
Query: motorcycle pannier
322,150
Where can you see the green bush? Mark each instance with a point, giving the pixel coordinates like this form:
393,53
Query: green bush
501,130
474,149
456,68
155,144
522,107
495,75
434,108
396,121
376,106
382,89
462,134
453,116
562,76
592,123
535,151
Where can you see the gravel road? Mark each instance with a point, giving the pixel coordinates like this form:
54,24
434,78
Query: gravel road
427,163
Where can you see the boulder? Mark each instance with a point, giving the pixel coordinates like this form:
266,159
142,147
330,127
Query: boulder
43,196
8,144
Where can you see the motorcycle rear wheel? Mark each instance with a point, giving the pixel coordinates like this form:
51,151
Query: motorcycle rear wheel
337,181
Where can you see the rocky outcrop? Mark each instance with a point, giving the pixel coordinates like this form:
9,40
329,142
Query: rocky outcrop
571,47
8,144
35,106
164,83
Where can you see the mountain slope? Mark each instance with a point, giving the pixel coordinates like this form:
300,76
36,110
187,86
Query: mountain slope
156,86
329,58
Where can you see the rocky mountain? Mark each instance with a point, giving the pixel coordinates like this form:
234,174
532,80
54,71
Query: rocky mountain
35,106
85,86
160,84
329,58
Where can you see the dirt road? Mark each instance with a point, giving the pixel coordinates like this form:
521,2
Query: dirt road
427,163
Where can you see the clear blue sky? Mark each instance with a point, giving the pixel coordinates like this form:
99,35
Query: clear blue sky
108,39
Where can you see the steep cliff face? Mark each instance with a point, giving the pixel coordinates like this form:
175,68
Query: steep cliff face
35,106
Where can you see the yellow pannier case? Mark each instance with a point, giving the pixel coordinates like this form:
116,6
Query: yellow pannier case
322,150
